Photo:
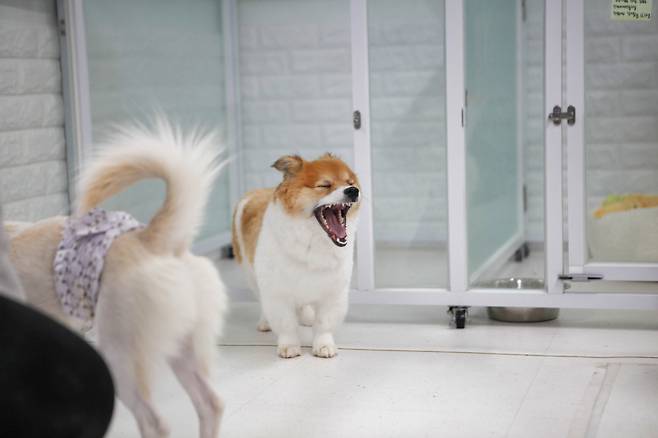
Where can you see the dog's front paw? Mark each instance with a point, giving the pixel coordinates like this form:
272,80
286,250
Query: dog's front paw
325,350
289,351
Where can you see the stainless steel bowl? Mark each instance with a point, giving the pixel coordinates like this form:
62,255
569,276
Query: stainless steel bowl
519,314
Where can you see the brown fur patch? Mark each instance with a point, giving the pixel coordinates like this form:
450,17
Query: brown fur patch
251,222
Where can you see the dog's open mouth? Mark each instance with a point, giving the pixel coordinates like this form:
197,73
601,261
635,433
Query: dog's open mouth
333,220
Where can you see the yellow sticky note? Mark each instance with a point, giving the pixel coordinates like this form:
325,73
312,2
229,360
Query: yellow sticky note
632,10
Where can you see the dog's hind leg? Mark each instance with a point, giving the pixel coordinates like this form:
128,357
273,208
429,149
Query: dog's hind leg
193,376
133,389
263,325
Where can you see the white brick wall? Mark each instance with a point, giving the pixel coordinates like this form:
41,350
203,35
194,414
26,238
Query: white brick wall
33,177
296,91
295,83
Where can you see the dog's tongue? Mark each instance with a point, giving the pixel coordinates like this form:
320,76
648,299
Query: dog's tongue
334,223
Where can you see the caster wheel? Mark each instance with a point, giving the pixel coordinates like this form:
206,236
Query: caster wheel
460,318
227,252
526,250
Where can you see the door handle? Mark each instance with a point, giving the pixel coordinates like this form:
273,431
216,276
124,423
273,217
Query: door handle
557,115
356,119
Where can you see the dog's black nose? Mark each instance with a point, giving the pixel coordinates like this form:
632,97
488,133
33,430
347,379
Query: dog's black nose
352,193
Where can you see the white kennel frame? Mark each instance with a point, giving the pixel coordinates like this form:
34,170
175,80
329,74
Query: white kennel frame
578,262
458,293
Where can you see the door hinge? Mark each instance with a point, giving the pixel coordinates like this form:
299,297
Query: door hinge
524,10
356,119
462,117
580,277
525,198
61,26
556,116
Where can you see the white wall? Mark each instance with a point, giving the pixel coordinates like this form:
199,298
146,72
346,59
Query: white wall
33,177
295,83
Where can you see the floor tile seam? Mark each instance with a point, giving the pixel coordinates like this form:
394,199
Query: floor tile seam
471,352
525,395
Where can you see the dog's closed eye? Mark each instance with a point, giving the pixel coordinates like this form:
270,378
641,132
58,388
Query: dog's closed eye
323,185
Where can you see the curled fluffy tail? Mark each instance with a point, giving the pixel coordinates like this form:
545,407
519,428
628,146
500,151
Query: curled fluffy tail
188,164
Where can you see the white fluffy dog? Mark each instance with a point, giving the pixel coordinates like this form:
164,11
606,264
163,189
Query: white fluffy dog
156,301
296,244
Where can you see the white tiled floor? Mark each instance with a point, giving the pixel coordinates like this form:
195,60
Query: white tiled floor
402,372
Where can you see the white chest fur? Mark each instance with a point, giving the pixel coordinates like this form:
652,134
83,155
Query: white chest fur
295,258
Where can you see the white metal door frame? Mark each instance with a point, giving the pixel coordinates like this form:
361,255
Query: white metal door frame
366,290
576,170
362,146
456,146
230,31
553,209
75,87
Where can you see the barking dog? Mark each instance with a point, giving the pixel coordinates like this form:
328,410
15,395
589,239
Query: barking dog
295,243
155,299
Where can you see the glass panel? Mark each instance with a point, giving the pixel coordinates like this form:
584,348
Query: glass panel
142,58
504,139
621,136
407,86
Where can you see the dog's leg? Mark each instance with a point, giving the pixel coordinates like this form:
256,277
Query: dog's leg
329,314
192,375
132,386
263,325
282,317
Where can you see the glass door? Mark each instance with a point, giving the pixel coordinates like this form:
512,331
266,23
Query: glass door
143,57
612,150
455,155
504,135
406,42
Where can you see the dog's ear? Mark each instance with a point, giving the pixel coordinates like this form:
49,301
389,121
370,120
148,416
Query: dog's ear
289,165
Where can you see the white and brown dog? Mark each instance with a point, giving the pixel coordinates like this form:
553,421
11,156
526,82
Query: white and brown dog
156,301
296,243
